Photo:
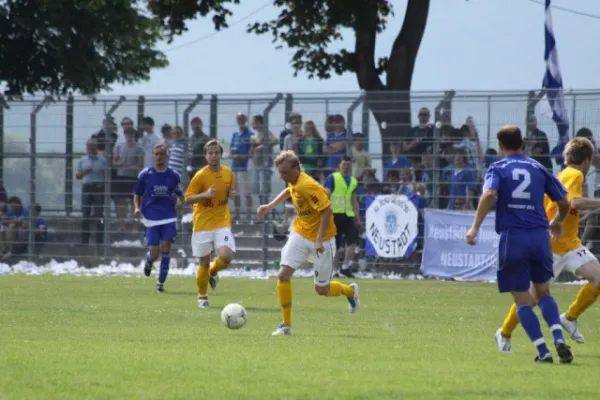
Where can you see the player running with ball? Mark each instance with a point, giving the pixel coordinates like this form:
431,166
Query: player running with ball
568,252
312,238
209,191
524,254
155,189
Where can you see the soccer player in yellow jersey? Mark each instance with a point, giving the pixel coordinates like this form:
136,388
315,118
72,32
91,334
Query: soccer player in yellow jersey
312,238
568,252
209,191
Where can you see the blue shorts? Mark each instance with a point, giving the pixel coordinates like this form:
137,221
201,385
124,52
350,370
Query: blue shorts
161,233
525,256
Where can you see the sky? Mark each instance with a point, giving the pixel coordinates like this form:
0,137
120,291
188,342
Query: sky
468,45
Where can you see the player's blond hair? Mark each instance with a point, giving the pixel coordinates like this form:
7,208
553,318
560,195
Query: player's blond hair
213,143
289,157
578,150
159,146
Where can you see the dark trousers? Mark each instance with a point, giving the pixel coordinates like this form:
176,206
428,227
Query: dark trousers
92,206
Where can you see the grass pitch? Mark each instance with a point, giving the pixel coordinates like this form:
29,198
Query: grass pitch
113,338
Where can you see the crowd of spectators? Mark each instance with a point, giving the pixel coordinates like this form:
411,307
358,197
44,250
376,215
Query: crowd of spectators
441,163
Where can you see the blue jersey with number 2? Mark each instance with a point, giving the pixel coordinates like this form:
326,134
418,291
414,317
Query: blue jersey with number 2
521,183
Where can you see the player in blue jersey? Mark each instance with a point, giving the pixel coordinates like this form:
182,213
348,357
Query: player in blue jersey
518,184
155,190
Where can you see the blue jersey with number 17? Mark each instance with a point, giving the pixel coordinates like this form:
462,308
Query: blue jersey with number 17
521,183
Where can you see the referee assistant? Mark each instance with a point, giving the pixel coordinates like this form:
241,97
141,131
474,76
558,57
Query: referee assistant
341,186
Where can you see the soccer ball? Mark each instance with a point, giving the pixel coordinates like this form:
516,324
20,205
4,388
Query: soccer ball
234,316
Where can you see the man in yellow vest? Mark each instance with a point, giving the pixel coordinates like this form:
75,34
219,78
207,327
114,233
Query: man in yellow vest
341,186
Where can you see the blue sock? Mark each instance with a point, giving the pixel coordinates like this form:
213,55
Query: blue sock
532,327
164,268
551,314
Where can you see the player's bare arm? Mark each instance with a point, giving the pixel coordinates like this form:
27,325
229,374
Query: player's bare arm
582,204
198,197
266,208
136,206
486,204
556,225
325,218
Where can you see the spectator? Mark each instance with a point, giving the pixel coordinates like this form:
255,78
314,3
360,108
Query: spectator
427,175
102,138
292,141
491,156
406,181
129,160
361,157
396,161
167,134
287,131
196,150
176,150
310,150
336,143
462,182
341,188
537,144
392,179
262,158
470,142
15,225
149,140
127,124
91,169
421,137
40,233
241,146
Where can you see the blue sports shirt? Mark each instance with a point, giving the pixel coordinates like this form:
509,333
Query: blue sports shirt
521,183
157,190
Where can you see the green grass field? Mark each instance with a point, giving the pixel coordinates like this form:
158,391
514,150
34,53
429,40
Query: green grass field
114,338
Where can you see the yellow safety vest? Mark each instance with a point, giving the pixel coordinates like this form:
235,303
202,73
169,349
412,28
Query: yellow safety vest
341,196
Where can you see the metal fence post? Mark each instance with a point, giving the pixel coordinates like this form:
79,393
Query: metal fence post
489,121
108,175
289,105
3,106
366,117
350,120
69,156
214,116
265,150
32,171
186,148
573,115
141,109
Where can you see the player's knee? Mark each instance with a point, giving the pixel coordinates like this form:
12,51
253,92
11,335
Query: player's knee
285,273
225,254
322,290
154,253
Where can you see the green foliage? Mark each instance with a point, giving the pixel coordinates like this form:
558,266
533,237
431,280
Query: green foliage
54,47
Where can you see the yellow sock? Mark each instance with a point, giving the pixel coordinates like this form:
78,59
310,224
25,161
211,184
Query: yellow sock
585,298
217,265
510,322
338,288
284,294
202,281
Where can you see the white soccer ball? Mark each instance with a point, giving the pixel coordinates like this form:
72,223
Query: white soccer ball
234,316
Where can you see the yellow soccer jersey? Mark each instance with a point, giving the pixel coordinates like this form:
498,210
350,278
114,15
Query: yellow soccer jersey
309,199
572,179
211,214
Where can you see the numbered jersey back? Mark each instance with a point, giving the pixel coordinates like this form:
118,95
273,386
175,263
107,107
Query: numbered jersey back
521,183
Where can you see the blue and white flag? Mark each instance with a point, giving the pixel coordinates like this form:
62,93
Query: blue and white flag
554,87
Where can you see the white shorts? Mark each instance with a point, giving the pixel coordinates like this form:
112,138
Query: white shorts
298,250
204,242
243,183
572,260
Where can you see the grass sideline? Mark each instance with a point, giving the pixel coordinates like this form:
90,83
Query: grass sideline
114,338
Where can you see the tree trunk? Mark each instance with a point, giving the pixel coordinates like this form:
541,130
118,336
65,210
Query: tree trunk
390,103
